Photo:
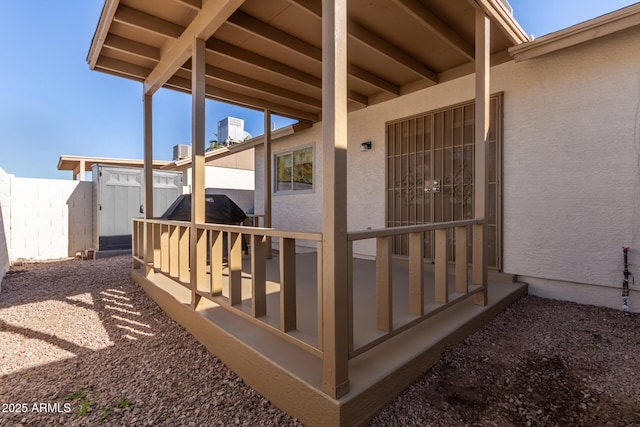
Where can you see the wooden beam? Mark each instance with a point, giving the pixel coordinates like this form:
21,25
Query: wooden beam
335,298
395,53
104,24
481,150
462,264
141,20
174,53
430,21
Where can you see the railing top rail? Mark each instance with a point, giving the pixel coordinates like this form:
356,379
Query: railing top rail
271,232
393,231
163,222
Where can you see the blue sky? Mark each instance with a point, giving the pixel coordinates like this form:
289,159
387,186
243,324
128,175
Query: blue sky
52,104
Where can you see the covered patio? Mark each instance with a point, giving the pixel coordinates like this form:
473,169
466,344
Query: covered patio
328,337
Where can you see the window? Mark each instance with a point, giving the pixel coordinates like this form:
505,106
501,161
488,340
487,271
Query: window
294,170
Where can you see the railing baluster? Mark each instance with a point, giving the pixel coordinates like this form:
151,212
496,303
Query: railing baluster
235,268
149,251
201,261
216,245
183,255
164,248
383,284
319,298
350,293
416,274
173,251
462,265
258,275
288,285
480,274
441,273
157,252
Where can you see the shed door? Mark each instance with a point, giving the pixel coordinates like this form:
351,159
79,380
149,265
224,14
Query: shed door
120,196
438,146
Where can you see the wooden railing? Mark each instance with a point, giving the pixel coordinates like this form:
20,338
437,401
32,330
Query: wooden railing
443,298
165,246
169,254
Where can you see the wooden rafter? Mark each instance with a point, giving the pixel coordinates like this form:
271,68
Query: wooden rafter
249,24
132,47
231,97
360,34
426,18
257,86
395,53
255,60
146,22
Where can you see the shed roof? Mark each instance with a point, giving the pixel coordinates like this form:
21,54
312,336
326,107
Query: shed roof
267,54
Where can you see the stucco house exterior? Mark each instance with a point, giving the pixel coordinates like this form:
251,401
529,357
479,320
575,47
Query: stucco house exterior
442,163
567,196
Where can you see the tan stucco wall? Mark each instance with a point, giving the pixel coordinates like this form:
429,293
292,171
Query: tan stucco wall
571,175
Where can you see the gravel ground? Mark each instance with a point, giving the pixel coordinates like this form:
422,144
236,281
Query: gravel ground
81,344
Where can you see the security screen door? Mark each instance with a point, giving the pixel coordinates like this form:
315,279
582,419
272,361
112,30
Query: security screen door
435,151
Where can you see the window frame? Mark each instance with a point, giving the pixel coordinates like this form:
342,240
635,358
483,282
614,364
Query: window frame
291,152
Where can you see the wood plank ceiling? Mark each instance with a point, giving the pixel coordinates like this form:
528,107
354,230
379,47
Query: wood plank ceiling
267,54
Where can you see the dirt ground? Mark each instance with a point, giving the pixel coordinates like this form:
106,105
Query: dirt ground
81,344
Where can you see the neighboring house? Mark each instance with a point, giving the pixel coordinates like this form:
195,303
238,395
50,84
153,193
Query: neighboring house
473,146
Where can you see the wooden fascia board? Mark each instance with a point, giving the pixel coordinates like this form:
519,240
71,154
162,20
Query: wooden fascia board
231,97
619,20
425,17
360,34
132,47
104,23
500,16
144,21
174,53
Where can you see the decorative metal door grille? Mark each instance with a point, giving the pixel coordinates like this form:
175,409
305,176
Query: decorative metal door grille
438,146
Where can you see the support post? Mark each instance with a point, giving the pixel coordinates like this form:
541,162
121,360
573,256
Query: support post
481,169
384,299
197,243
148,183
335,372
267,177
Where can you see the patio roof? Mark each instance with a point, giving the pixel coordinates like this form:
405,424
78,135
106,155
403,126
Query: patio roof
268,55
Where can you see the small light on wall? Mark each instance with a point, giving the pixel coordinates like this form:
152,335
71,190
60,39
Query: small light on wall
365,146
